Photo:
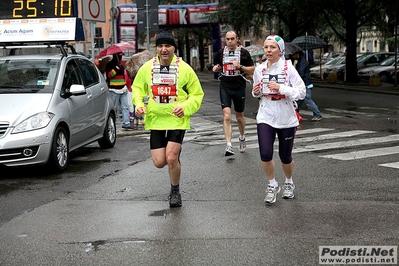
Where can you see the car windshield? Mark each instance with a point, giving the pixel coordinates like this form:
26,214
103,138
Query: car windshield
341,60
333,61
364,57
27,76
388,62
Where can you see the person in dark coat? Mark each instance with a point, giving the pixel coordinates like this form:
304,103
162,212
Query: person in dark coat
303,69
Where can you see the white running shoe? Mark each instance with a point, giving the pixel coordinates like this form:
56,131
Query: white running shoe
229,151
288,190
243,145
271,194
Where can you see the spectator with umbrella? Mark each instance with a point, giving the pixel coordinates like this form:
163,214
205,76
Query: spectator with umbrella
308,43
115,76
116,48
132,66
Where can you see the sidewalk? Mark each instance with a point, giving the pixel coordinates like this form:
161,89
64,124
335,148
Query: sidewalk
385,88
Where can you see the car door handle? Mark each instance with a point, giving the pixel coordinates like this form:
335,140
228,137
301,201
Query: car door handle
102,88
89,96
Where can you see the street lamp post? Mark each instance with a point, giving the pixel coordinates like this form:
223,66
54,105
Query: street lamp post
269,12
113,21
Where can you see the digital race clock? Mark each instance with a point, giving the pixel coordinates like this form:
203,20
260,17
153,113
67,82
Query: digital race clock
31,9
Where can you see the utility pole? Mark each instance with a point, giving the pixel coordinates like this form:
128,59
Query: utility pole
396,47
147,17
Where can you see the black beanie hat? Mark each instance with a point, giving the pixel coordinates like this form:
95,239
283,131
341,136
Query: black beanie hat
165,37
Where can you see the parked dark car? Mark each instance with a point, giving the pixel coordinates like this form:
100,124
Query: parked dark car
393,74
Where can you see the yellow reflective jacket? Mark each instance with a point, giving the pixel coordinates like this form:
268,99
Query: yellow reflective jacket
159,116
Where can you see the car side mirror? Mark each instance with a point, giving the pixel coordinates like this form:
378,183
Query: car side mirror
77,89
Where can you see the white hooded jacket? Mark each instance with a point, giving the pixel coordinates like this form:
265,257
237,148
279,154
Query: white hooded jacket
280,113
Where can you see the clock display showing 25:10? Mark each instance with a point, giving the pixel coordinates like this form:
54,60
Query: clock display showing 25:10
30,9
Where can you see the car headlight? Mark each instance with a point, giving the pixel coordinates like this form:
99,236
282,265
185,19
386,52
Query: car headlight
34,122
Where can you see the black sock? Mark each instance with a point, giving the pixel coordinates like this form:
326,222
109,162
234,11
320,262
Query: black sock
174,188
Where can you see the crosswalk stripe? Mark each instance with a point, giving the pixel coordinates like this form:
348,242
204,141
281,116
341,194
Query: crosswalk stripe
348,143
363,153
340,111
391,165
310,113
345,134
312,130
206,131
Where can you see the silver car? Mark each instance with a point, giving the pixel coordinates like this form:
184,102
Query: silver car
316,70
383,70
52,104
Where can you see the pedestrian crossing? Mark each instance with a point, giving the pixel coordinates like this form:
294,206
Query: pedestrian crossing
204,131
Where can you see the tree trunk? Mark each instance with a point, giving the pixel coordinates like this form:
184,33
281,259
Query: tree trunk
351,34
201,52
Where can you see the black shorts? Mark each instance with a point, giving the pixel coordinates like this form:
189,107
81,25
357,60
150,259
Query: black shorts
160,138
236,96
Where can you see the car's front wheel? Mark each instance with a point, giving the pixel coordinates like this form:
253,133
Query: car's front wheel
59,154
384,77
109,136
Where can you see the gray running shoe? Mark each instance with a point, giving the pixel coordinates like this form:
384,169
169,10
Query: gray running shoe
271,194
315,119
175,199
288,190
243,145
229,151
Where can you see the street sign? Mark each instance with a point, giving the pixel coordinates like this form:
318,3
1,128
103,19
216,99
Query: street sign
93,10
147,10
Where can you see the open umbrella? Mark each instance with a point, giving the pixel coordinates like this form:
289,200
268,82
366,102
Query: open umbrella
291,48
102,62
255,50
133,65
308,42
116,48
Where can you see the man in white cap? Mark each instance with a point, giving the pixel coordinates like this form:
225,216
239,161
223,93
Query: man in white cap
175,94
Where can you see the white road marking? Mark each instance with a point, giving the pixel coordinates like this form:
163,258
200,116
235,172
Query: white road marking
344,144
354,155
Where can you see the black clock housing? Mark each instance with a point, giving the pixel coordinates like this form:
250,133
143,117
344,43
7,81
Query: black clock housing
32,9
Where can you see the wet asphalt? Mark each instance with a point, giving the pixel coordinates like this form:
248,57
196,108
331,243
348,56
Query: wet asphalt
125,219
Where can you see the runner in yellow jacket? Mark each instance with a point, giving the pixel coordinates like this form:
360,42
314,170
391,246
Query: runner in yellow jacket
175,94
159,113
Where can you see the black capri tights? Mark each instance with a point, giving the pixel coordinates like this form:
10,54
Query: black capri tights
266,138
